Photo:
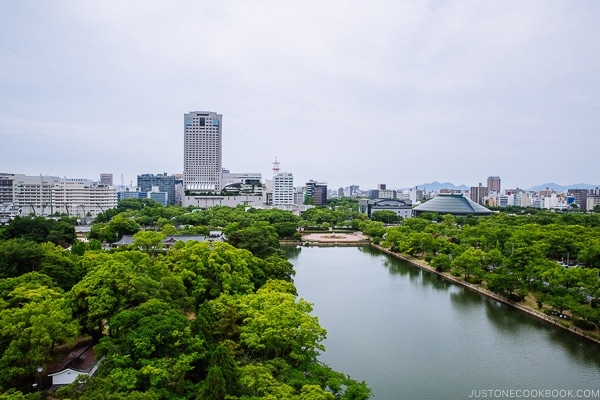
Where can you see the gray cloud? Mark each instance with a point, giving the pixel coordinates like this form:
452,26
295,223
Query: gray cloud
345,92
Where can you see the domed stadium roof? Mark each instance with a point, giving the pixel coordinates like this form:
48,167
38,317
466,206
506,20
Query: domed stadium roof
455,204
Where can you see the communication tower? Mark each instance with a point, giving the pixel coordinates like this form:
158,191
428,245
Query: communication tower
276,167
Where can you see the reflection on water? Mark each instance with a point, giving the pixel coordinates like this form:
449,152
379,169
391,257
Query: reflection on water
463,298
410,334
291,252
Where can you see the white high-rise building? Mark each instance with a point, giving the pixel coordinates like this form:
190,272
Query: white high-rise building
202,158
283,189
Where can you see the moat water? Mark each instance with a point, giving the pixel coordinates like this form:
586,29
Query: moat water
412,335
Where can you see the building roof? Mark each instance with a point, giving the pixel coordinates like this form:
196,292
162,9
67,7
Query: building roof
386,203
171,239
455,204
81,359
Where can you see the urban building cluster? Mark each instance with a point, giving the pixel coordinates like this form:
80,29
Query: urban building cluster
548,198
205,183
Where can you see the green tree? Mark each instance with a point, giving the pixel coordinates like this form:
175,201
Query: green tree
285,229
38,320
419,242
58,264
385,216
149,241
590,254
315,392
223,359
40,230
504,281
215,268
260,238
19,256
214,386
278,325
276,267
374,229
113,283
258,381
470,263
114,230
441,262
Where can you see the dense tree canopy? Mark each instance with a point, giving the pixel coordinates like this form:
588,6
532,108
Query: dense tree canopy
551,257
40,229
210,320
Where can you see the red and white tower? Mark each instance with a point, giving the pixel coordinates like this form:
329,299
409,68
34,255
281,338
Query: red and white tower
276,167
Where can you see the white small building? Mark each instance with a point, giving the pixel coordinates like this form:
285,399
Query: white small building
80,361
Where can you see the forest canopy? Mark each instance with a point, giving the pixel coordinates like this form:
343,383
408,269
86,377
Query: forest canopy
201,320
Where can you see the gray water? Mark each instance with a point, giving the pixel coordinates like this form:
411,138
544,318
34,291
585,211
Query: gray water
411,335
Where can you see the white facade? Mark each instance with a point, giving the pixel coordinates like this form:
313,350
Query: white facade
47,195
68,376
33,194
592,201
202,158
82,198
283,189
240,177
229,201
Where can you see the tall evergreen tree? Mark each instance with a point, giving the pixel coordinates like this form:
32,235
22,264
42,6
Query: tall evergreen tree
214,385
222,358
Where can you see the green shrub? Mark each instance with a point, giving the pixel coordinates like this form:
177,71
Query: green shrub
583,324
516,297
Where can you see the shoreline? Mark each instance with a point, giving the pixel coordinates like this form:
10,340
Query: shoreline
487,293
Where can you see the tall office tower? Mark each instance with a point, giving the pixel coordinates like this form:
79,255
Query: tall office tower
283,189
202,156
493,184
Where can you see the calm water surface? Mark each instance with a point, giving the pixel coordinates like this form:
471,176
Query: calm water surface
411,335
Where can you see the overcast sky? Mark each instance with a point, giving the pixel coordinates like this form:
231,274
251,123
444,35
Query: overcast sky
345,92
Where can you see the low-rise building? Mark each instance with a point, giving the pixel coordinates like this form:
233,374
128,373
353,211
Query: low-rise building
402,208
208,201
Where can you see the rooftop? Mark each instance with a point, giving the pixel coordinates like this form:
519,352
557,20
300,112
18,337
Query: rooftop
455,204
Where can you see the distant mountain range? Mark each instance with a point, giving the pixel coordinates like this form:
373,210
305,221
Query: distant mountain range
437,186
560,188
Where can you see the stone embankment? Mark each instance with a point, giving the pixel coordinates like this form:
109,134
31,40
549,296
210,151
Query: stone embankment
521,307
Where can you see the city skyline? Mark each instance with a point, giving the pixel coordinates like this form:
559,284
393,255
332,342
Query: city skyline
399,93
